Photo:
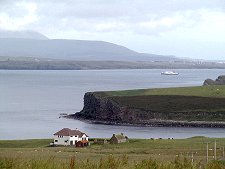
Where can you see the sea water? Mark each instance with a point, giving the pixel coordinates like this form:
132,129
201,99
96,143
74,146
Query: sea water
32,101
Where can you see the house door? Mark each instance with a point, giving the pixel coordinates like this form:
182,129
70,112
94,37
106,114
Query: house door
71,143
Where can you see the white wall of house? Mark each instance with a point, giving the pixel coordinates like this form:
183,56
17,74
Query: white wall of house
68,140
84,137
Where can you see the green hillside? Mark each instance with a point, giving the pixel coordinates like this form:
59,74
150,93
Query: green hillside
203,103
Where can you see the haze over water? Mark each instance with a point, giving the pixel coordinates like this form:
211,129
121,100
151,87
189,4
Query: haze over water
31,101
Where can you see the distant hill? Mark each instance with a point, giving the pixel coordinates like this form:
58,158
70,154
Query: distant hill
22,34
81,50
26,50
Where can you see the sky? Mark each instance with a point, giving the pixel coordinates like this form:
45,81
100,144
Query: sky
184,28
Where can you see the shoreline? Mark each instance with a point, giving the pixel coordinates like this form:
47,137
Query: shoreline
155,123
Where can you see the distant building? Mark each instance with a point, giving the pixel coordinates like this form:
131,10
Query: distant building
118,138
68,137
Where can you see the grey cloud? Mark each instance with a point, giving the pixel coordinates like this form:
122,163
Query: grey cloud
122,8
121,21
85,15
11,9
127,11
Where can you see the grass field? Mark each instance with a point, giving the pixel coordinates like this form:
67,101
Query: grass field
25,143
134,153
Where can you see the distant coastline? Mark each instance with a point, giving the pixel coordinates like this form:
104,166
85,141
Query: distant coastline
49,64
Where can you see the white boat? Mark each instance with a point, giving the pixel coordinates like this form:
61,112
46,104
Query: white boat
169,73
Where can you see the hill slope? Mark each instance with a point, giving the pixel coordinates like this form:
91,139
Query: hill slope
81,50
22,34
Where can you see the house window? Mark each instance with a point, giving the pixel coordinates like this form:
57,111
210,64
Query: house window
66,141
56,141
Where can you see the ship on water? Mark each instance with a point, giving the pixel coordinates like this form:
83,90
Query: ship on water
169,73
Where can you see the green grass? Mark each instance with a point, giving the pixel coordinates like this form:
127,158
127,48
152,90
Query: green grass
137,153
143,147
202,91
175,107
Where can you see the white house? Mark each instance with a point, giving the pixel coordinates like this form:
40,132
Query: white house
68,137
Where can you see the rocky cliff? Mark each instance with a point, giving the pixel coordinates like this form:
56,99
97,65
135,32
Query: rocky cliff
152,110
219,81
103,108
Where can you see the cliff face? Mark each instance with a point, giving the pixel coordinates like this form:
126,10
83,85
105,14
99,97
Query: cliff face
97,107
106,109
219,81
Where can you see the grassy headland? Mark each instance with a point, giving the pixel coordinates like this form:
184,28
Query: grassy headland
138,154
202,103
188,101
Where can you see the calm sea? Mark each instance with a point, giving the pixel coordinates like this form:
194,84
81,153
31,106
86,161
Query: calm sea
31,101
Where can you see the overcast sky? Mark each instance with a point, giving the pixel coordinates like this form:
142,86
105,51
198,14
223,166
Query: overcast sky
185,28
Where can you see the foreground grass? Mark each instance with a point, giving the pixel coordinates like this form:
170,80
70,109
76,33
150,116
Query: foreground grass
107,163
138,154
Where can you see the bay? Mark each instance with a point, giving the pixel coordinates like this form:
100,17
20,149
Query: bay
31,101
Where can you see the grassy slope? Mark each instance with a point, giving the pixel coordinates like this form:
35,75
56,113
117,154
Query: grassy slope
202,103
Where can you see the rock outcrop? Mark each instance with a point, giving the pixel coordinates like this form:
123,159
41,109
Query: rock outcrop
219,81
101,108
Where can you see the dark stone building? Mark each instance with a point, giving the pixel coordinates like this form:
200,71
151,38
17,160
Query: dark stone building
118,138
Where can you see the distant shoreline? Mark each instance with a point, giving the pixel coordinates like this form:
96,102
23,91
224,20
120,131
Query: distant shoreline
102,65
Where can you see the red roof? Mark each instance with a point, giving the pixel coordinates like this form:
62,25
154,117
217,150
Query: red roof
69,132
